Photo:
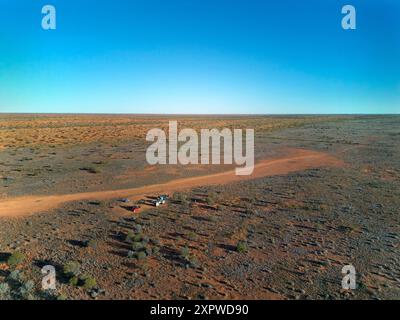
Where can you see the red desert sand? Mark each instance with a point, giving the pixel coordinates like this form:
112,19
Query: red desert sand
296,160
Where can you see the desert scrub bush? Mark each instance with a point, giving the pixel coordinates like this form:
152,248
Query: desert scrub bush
348,227
4,291
155,242
186,209
213,198
136,246
185,252
194,262
145,239
91,244
15,259
73,281
180,197
15,275
250,211
185,202
99,203
72,268
248,208
91,169
190,260
88,282
98,162
132,237
241,246
192,236
141,255
138,237
129,236
26,290
138,228
210,200
148,251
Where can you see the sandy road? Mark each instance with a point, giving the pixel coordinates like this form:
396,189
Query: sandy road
295,160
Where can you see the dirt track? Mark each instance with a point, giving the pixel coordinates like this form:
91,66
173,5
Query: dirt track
296,160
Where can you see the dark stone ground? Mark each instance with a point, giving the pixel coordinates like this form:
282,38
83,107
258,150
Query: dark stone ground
300,230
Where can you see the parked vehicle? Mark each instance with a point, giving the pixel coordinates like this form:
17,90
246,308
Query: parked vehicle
124,200
162,198
156,203
135,209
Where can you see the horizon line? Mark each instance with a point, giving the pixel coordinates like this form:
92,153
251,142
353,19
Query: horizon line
200,114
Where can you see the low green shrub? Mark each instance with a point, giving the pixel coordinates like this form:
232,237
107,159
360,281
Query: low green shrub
4,291
73,281
26,290
72,268
15,275
192,236
141,255
88,282
241,246
91,244
15,259
185,252
131,254
136,246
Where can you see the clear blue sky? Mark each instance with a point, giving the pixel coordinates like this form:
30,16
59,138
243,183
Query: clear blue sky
200,56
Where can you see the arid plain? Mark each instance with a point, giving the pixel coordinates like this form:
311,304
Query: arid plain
325,193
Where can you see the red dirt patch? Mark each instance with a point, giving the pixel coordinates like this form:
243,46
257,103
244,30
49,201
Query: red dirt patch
296,160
